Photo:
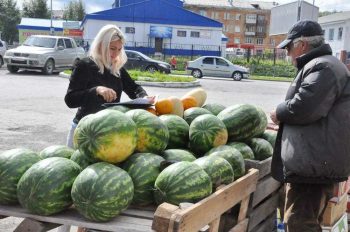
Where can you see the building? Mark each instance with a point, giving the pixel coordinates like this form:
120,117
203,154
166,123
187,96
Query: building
159,27
336,29
245,23
34,26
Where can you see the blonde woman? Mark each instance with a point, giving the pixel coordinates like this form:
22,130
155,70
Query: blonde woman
100,78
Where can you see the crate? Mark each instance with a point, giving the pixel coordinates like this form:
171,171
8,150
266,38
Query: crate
334,211
340,226
266,198
166,217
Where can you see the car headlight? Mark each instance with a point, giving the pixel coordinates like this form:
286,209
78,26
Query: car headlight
8,53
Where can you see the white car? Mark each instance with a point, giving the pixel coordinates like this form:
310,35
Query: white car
2,52
47,53
216,66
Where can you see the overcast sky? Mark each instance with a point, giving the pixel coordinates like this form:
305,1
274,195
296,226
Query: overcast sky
99,5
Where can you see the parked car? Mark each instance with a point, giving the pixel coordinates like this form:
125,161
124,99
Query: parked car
47,53
2,52
216,66
138,60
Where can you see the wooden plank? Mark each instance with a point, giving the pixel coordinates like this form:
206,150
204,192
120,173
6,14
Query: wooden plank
267,225
264,166
205,211
70,216
264,188
262,211
30,225
214,225
240,227
162,216
243,209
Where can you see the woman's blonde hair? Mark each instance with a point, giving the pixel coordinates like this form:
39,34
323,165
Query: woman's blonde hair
99,50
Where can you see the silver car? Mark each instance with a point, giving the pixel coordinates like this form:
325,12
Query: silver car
216,66
47,53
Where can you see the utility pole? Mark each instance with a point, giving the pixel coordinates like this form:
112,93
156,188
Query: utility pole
299,10
52,30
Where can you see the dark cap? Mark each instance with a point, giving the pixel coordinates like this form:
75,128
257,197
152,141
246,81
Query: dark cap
305,28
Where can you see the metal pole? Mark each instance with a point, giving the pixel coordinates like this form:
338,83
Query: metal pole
299,10
51,28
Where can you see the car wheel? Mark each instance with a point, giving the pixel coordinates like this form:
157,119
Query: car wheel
197,73
12,69
49,67
1,61
151,69
237,76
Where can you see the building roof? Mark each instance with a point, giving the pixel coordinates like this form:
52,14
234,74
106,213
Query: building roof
341,16
231,4
154,11
40,24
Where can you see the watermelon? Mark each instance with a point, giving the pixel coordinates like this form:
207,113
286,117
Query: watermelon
243,121
81,159
177,155
206,132
143,169
214,108
120,108
152,133
108,135
262,149
13,164
219,170
45,187
245,150
219,148
192,113
270,136
182,182
178,130
56,151
235,158
101,191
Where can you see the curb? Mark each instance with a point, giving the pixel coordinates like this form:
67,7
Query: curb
157,84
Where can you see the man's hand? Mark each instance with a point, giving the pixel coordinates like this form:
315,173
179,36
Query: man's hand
108,94
273,117
151,99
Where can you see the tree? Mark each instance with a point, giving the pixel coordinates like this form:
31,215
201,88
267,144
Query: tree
36,9
74,11
9,18
324,13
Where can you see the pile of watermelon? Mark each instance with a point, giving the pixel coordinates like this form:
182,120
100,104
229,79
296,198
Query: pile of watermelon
140,157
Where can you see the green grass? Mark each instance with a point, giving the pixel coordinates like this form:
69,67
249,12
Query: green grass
270,78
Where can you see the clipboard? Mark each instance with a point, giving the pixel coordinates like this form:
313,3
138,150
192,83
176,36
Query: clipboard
138,103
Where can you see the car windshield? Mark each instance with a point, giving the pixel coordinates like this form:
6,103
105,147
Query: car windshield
40,42
143,56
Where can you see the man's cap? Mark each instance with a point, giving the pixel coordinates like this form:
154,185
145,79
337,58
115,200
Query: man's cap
305,28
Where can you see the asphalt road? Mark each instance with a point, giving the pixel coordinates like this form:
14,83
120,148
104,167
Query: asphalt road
34,115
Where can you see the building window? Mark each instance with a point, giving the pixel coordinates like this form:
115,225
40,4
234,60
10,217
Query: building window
214,15
238,16
227,16
195,34
130,30
248,39
331,34
203,12
181,33
259,41
340,33
260,29
237,29
261,18
237,40
225,28
250,28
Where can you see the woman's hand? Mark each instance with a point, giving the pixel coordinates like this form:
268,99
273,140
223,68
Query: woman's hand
151,99
273,117
108,94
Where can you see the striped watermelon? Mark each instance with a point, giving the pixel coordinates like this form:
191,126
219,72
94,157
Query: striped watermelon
81,159
177,155
178,130
206,132
152,133
143,169
270,136
262,149
193,112
243,121
120,108
182,182
219,170
56,151
101,191
214,108
218,148
108,135
245,150
45,187
13,164
235,158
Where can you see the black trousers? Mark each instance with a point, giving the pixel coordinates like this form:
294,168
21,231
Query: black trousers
305,205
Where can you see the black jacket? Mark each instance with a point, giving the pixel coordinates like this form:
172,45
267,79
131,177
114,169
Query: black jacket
82,88
313,141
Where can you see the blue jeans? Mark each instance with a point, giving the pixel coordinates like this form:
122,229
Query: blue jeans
70,135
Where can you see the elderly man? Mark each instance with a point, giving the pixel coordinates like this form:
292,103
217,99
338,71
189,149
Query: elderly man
312,150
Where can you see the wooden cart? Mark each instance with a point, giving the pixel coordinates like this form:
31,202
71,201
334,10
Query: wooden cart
206,213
